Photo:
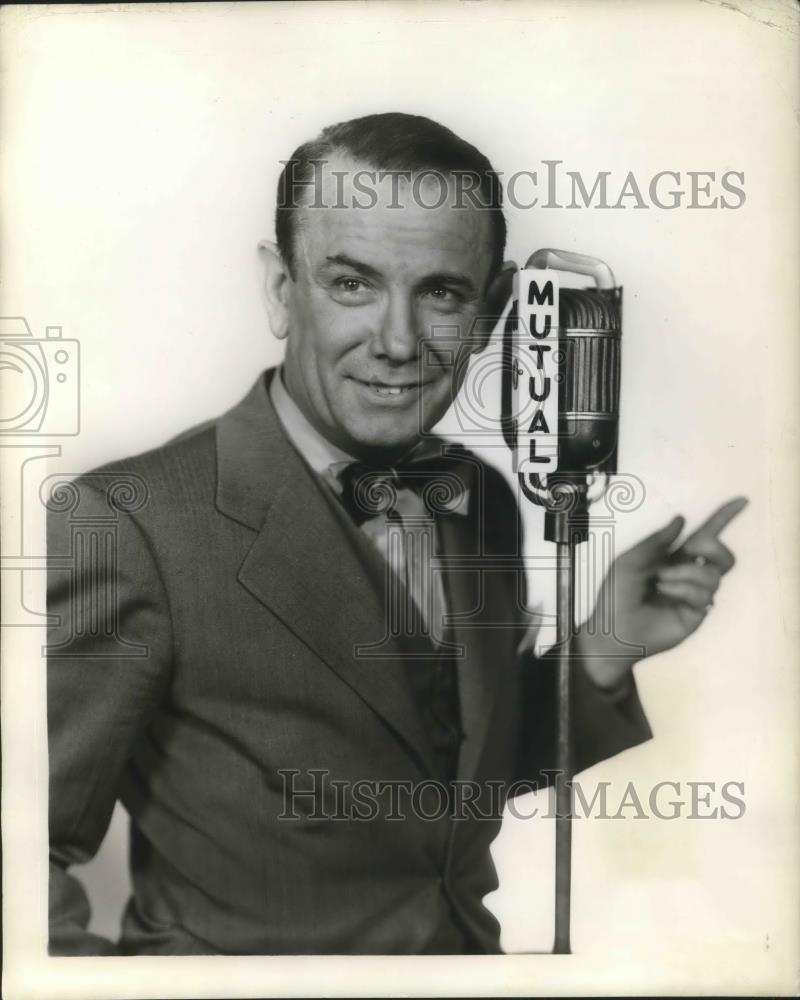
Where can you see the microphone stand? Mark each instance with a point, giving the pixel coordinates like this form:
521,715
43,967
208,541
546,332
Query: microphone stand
565,610
567,528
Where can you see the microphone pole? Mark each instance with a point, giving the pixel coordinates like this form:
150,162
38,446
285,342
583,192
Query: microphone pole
560,406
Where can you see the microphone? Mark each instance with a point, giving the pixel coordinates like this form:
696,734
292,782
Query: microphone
561,383
560,418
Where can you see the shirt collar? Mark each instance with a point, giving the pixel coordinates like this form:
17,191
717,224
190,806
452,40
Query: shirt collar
325,458
317,450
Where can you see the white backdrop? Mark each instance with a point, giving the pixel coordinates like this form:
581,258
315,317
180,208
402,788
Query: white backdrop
141,151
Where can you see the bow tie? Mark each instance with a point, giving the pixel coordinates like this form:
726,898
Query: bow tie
441,482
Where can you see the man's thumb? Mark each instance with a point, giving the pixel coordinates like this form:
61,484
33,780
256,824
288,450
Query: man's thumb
656,545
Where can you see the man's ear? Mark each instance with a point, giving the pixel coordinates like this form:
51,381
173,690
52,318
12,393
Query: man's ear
276,288
497,295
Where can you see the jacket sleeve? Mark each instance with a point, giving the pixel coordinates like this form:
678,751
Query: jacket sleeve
604,723
109,653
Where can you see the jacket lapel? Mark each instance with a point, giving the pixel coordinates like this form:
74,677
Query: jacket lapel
305,564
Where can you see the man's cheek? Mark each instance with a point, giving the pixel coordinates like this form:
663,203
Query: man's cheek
443,325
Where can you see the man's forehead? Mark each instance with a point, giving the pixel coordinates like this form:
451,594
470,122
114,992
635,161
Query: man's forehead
355,207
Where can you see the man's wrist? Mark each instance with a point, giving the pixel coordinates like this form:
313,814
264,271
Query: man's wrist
607,662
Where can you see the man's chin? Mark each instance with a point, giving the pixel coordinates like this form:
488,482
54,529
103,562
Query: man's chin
377,441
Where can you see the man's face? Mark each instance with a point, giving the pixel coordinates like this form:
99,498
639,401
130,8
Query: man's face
369,285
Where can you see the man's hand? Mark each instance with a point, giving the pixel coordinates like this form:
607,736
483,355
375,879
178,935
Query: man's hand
655,595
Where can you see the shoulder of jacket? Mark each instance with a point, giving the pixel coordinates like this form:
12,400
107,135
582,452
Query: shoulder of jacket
179,474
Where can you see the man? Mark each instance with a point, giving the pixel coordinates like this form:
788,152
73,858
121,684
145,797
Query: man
254,679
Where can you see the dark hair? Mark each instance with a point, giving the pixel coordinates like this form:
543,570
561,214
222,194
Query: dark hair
391,142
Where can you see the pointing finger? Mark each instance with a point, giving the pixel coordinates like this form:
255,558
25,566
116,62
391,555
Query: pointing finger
720,518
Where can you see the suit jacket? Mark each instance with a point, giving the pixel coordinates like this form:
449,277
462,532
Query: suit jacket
221,637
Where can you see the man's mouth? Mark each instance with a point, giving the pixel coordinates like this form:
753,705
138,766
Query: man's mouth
388,389
391,390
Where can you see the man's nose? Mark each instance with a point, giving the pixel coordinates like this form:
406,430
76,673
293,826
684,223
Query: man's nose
396,338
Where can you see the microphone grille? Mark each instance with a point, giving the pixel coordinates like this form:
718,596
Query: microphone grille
590,322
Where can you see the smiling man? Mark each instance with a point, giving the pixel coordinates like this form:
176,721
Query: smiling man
292,686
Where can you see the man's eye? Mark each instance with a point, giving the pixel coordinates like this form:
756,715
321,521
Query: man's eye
442,295
350,284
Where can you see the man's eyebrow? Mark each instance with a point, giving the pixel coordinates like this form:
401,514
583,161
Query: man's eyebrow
357,265
461,281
